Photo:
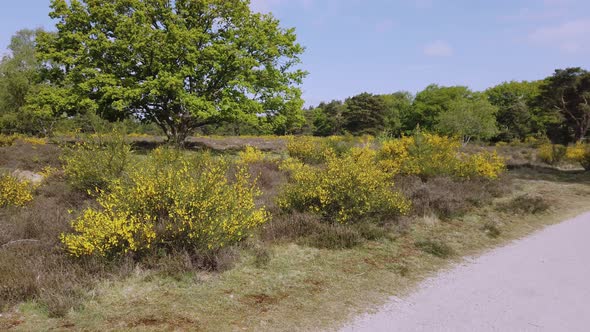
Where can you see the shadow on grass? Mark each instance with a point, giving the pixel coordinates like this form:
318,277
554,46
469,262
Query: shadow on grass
547,173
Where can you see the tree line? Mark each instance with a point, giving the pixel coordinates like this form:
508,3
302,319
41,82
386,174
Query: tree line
216,67
555,107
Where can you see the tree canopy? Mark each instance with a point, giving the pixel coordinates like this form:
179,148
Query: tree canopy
182,64
469,118
431,102
568,93
18,81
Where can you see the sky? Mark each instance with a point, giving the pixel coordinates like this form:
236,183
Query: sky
383,46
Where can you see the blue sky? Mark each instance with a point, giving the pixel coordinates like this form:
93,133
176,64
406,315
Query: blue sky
383,46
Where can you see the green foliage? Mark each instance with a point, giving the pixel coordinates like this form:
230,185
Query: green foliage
169,201
182,64
431,102
469,118
18,82
365,114
568,92
96,161
518,114
328,118
398,107
346,189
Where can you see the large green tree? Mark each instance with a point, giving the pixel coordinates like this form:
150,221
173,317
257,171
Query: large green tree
182,64
398,108
328,118
469,118
18,81
431,102
365,114
518,115
567,92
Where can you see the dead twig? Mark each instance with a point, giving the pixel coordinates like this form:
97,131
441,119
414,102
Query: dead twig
18,242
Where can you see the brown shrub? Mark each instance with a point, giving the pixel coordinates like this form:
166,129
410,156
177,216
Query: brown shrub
525,204
32,263
446,197
308,229
269,179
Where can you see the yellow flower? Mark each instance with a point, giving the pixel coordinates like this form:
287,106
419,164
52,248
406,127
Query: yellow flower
14,192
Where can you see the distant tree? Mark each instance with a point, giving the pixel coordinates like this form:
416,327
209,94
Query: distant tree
398,107
365,114
182,64
518,115
567,92
328,118
18,80
469,118
431,102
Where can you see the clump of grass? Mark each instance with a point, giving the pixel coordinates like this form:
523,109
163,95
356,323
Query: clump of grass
492,229
526,204
262,256
435,247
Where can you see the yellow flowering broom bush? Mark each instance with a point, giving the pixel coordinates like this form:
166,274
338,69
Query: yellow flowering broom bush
551,154
310,150
428,155
250,155
579,153
14,192
7,140
346,189
170,200
487,165
575,152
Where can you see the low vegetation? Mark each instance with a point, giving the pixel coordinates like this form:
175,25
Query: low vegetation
170,214
14,192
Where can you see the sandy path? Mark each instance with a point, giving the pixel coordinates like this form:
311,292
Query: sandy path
540,283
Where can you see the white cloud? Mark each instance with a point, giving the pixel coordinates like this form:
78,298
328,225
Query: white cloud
438,48
570,37
270,5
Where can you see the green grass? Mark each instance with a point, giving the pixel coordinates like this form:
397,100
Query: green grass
304,288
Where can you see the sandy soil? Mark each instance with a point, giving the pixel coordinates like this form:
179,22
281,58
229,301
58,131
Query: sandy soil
540,283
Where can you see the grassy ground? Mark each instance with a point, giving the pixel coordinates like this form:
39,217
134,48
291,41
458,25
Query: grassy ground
305,288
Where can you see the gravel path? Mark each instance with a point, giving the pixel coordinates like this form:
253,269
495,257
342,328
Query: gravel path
540,283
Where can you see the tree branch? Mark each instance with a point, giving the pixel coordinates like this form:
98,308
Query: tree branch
18,242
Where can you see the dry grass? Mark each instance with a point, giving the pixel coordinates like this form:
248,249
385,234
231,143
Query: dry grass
298,274
29,157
